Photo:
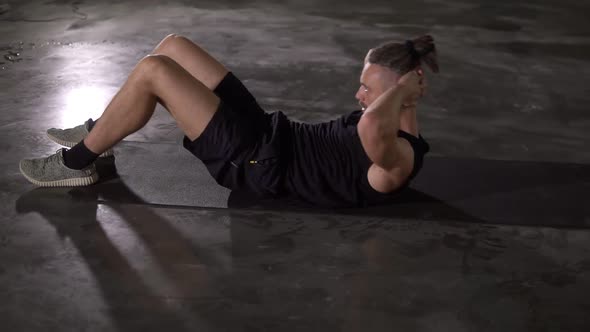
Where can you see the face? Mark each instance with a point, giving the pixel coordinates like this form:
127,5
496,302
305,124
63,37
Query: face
375,80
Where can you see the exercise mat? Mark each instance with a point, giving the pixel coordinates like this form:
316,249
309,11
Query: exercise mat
447,189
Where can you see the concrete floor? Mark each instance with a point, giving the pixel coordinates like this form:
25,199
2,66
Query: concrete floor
493,236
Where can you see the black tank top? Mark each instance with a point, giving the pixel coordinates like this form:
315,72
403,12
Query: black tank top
329,166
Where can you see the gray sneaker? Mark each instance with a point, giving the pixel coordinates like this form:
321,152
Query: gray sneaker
51,172
72,136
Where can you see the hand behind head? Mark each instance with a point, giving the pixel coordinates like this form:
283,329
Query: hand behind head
413,84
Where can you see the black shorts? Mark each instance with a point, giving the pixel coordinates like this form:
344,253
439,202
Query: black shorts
243,147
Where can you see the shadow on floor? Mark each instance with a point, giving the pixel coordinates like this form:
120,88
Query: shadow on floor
133,304
200,294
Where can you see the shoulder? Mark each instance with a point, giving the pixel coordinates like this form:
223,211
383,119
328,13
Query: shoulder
388,180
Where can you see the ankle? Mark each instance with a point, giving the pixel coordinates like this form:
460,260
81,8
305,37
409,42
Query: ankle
79,156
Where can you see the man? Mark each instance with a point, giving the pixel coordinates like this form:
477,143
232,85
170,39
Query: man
355,160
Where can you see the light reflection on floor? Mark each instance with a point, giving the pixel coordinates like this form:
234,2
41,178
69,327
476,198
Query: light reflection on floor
81,103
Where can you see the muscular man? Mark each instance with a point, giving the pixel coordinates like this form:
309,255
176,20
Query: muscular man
358,159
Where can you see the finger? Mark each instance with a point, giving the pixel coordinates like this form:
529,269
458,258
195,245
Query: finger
410,75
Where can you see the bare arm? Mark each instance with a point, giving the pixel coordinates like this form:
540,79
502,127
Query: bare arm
379,125
392,157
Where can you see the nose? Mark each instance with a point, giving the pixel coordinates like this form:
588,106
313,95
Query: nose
359,94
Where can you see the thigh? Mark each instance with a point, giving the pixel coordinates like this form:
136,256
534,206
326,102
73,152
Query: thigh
213,74
236,96
187,99
194,59
225,145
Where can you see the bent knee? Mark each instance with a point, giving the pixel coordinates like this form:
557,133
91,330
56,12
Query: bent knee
169,39
171,43
153,61
153,65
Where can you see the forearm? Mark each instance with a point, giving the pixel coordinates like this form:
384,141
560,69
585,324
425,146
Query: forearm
379,126
386,109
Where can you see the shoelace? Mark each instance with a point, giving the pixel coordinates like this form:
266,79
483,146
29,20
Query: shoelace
54,157
51,159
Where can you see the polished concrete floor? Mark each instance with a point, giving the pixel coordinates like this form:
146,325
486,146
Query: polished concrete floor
494,235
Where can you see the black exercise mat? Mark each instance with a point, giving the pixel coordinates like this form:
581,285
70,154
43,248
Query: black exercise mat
450,189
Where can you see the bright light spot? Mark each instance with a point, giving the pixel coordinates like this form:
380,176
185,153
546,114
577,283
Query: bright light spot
82,103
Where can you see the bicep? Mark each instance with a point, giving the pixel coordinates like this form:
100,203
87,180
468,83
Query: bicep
386,180
382,145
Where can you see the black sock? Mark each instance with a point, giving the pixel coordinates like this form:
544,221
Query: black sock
79,156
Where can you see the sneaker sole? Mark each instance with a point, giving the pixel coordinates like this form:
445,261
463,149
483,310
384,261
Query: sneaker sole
68,144
73,182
